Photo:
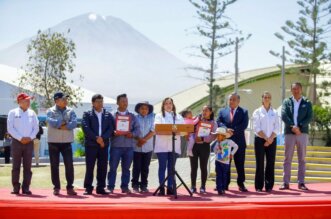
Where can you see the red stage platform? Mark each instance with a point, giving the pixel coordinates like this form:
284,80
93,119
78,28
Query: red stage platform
315,203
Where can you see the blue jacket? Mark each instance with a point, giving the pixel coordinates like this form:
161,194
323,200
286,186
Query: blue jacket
90,126
121,140
239,124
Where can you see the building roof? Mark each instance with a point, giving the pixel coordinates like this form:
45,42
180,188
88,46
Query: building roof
190,96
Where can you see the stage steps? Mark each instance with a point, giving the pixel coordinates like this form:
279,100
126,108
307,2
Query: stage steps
318,165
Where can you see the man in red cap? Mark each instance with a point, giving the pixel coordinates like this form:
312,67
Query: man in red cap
22,125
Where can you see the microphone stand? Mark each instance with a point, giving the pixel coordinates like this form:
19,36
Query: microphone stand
173,170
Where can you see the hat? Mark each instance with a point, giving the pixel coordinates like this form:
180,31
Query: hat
221,131
23,96
59,95
150,107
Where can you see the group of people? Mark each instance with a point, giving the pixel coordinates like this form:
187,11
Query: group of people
127,138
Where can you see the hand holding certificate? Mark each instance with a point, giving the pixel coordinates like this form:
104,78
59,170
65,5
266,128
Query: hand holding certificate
122,125
204,129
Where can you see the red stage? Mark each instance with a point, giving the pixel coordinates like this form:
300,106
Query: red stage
315,203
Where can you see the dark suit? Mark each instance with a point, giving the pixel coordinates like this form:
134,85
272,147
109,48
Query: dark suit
93,150
239,124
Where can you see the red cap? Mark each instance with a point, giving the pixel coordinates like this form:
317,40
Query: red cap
23,96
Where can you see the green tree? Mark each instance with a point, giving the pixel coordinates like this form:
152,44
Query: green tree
309,37
322,119
219,35
50,61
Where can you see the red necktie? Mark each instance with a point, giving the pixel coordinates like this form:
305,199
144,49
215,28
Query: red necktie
231,114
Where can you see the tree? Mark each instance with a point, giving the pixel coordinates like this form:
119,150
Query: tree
323,122
308,37
218,32
50,61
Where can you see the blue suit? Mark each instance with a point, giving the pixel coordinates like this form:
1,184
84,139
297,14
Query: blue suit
93,151
238,124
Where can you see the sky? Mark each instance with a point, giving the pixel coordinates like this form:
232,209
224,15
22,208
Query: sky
169,23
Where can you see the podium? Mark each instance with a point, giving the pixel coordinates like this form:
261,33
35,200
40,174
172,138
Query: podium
173,129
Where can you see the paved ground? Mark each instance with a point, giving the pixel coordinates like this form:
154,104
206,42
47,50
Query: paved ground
182,167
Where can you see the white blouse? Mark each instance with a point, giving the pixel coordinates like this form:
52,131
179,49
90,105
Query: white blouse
266,121
163,143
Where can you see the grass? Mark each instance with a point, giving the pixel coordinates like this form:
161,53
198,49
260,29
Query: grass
41,176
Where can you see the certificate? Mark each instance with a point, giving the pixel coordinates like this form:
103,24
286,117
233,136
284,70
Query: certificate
204,129
122,124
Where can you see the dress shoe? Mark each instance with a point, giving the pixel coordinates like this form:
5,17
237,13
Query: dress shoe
135,189
87,192
302,186
126,191
258,190
193,190
268,190
102,192
202,190
242,189
170,191
27,192
111,190
15,191
221,192
161,192
56,192
144,190
71,192
284,186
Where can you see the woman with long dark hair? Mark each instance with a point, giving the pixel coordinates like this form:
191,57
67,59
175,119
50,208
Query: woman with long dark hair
163,143
201,147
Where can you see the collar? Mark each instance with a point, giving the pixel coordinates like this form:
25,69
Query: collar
298,101
122,113
96,112
235,109
263,109
21,111
58,108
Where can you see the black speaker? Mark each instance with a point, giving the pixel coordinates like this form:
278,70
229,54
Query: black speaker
3,126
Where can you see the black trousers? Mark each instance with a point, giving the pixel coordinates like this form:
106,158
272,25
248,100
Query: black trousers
264,177
100,155
201,153
20,151
65,149
141,162
239,161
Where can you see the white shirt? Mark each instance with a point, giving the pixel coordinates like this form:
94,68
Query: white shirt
22,124
296,110
99,115
266,121
163,143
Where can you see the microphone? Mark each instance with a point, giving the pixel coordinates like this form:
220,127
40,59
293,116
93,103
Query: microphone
173,116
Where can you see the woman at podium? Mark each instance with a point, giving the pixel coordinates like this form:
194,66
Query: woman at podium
163,143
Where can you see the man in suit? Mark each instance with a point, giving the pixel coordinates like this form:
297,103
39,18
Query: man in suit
98,126
235,119
296,114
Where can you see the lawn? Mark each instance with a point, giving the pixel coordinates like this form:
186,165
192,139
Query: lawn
41,176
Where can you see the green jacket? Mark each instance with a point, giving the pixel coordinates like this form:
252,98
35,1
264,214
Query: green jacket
305,115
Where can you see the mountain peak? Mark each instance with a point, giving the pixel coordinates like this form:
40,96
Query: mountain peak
94,17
